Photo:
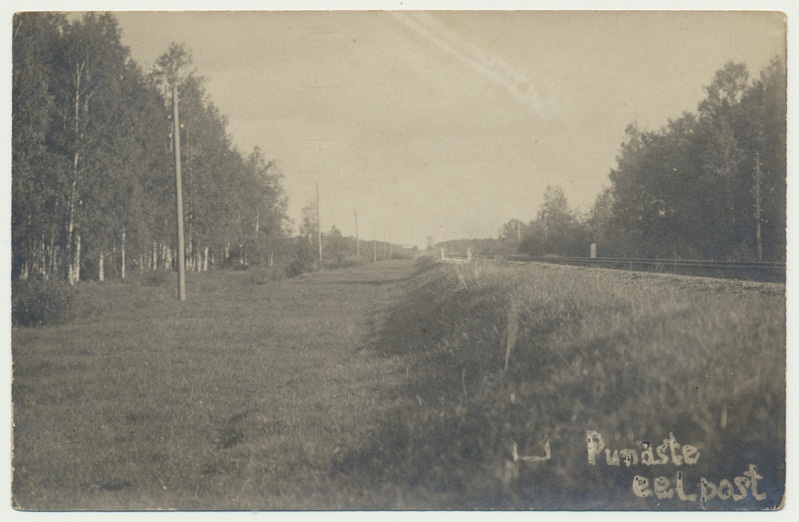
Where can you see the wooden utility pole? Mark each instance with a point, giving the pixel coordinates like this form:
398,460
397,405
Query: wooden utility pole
357,241
391,241
757,208
374,243
178,197
319,230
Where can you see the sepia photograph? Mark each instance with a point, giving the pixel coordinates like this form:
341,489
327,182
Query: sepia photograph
397,258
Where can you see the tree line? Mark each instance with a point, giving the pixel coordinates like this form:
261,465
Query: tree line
710,184
337,250
93,181
93,185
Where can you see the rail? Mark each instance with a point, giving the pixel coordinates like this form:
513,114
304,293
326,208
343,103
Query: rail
755,271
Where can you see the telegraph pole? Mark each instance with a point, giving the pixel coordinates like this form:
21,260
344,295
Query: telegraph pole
757,208
178,197
390,240
357,242
319,229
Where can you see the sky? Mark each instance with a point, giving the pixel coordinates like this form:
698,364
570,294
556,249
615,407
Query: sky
447,124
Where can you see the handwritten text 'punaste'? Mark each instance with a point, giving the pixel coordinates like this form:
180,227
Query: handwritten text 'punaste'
672,452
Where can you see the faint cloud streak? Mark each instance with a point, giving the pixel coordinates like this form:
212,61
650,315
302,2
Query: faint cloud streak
489,66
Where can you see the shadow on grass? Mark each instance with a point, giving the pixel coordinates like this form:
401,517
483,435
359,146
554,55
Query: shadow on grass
422,453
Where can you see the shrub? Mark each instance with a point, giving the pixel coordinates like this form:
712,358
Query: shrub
402,254
39,303
264,274
302,261
344,262
154,278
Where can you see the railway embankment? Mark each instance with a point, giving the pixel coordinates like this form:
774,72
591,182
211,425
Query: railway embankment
546,386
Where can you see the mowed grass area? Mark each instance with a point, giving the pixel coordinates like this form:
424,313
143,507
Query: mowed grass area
239,398
401,386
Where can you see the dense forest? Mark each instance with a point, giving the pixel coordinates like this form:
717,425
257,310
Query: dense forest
93,185
708,185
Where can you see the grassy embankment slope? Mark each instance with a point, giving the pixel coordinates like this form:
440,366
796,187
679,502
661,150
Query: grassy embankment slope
361,388
537,355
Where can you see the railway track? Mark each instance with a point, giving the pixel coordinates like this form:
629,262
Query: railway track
755,271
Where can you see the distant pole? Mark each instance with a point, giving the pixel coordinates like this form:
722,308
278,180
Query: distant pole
757,208
518,232
357,241
178,197
390,240
374,243
319,229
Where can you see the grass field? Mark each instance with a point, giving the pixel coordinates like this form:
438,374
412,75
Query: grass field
398,385
239,398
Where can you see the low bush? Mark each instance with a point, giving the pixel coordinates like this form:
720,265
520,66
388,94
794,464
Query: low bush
154,278
302,260
344,262
265,274
403,254
40,303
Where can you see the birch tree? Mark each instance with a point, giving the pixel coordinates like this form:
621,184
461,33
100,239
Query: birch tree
36,170
89,64
92,187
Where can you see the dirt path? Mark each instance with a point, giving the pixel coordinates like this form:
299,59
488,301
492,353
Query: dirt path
238,399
